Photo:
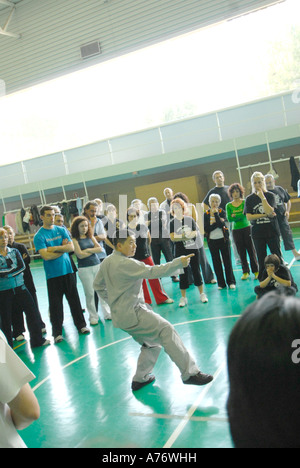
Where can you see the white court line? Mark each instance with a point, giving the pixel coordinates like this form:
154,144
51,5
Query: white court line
177,416
194,407
292,263
192,410
78,359
120,341
207,319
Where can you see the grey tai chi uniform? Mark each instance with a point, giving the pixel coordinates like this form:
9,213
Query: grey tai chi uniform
119,283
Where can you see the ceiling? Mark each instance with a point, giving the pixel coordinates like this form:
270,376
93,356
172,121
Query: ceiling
8,3
42,39
10,6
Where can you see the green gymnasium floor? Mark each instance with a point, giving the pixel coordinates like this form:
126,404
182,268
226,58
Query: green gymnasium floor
83,384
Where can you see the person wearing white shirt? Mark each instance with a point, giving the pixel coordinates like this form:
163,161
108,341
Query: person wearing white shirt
166,205
19,407
119,283
138,205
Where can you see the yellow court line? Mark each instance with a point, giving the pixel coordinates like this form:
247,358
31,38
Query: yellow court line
20,345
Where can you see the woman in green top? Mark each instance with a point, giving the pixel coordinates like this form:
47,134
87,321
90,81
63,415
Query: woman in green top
241,230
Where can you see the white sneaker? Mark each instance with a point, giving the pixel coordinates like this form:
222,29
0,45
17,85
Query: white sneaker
94,322
232,286
20,338
203,297
183,302
169,301
58,339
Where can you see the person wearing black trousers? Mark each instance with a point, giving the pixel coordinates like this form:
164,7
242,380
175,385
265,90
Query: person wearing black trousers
283,202
260,211
54,244
17,316
14,294
157,222
184,234
217,235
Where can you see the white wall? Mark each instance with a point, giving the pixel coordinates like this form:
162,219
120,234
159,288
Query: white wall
188,141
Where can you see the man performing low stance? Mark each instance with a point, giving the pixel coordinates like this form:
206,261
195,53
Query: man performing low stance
119,283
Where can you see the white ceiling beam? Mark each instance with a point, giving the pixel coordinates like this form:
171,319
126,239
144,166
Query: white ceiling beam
9,34
7,3
4,31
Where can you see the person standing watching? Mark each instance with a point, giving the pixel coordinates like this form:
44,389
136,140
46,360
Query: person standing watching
260,211
283,202
158,225
15,295
166,205
90,212
86,250
17,316
220,189
143,254
184,234
98,231
241,230
54,244
217,235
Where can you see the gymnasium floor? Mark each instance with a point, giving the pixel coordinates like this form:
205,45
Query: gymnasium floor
83,384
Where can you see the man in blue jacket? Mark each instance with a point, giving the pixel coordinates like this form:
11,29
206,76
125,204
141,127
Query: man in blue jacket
13,293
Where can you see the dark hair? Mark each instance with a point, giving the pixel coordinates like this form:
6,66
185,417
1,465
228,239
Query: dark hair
110,207
264,377
88,205
236,186
46,208
131,210
75,227
121,236
274,259
182,196
178,201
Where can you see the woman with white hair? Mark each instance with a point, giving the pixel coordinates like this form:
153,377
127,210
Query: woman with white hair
217,234
260,211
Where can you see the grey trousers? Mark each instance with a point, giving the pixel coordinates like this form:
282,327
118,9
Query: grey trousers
154,333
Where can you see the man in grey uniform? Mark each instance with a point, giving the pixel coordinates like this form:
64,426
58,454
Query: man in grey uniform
119,283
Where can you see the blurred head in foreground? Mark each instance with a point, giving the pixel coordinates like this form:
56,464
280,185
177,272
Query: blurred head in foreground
264,374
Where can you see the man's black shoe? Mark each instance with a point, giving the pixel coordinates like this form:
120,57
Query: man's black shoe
138,385
199,379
